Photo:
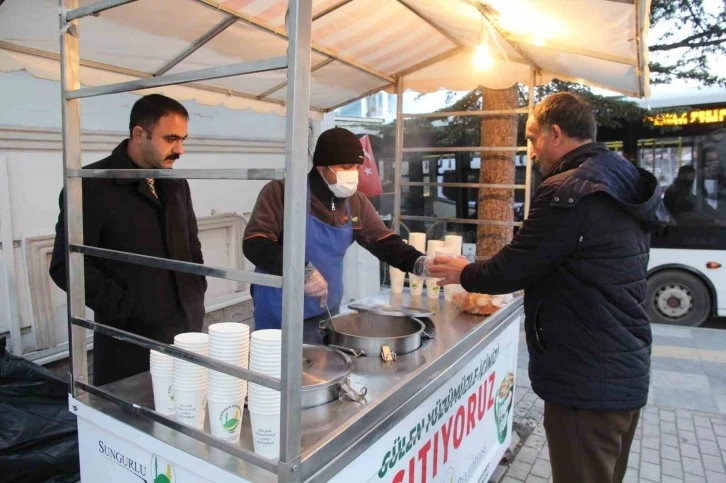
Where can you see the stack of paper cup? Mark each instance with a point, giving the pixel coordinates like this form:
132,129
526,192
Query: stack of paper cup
432,288
454,241
264,403
418,241
449,251
190,381
162,376
397,279
416,283
228,342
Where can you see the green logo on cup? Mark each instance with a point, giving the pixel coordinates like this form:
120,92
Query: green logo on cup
167,471
230,418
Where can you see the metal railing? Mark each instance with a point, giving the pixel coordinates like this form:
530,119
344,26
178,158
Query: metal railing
398,183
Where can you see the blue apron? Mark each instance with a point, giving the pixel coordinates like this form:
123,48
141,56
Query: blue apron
325,247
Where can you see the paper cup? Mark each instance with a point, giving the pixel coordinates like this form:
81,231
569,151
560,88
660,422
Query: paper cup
434,245
239,394
163,394
225,418
189,406
266,434
415,284
266,335
397,279
433,290
418,241
448,251
192,340
229,328
455,241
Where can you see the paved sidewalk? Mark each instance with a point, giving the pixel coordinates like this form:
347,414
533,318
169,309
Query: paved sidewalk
681,436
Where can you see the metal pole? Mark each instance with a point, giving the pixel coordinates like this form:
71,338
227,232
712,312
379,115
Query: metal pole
296,163
73,199
7,261
398,159
528,171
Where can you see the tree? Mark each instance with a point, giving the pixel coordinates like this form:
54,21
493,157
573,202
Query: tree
496,204
691,35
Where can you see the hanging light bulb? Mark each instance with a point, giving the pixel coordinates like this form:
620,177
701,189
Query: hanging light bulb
482,57
538,40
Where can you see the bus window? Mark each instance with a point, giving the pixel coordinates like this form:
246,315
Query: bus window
694,178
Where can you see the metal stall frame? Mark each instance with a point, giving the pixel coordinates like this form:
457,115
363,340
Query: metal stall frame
398,160
289,466
297,63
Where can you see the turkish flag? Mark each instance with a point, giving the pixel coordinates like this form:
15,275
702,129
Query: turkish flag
369,182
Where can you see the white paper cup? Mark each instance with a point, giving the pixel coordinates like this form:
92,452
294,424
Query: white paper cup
229,328
189,406
448,251
162,372
397,279
163,394
225,418
415,284
434,245
189,385
418,241
265,365
266,335
192,341
229,354
433,290
454,241
266,434
219,395
258,354
221,349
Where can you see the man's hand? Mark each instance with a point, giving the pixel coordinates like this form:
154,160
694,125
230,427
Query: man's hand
448,269
316,286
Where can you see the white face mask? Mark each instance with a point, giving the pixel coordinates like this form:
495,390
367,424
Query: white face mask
347,183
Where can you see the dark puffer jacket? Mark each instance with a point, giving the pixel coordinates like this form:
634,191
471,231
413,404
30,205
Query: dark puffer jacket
582,258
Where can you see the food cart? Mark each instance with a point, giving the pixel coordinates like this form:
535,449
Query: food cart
442,412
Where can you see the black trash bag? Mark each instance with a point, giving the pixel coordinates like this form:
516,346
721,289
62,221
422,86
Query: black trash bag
38,434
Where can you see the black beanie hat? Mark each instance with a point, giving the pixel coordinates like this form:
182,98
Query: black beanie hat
338,146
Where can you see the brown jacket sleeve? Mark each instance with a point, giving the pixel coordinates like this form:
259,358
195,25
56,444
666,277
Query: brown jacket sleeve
262,244
372,234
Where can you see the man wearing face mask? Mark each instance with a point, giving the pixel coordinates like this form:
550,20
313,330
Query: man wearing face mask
337,216
152,217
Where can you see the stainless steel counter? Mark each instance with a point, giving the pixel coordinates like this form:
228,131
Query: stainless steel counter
335,434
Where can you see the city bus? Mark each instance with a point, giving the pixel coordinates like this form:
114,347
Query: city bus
685,148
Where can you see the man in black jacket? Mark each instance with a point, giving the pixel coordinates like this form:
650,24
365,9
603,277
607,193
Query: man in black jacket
148,217
582,258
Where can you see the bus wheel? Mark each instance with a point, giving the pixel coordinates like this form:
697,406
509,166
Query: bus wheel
677,297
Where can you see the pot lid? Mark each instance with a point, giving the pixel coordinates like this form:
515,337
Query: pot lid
392,310
322,366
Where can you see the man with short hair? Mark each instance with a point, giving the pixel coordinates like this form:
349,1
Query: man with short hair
582,258
148,217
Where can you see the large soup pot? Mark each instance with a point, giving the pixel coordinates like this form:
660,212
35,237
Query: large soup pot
325,376
371,333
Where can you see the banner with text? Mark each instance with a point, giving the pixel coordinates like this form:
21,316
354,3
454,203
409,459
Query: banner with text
458,435
108,457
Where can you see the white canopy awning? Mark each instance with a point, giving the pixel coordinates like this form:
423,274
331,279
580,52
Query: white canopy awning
359,46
